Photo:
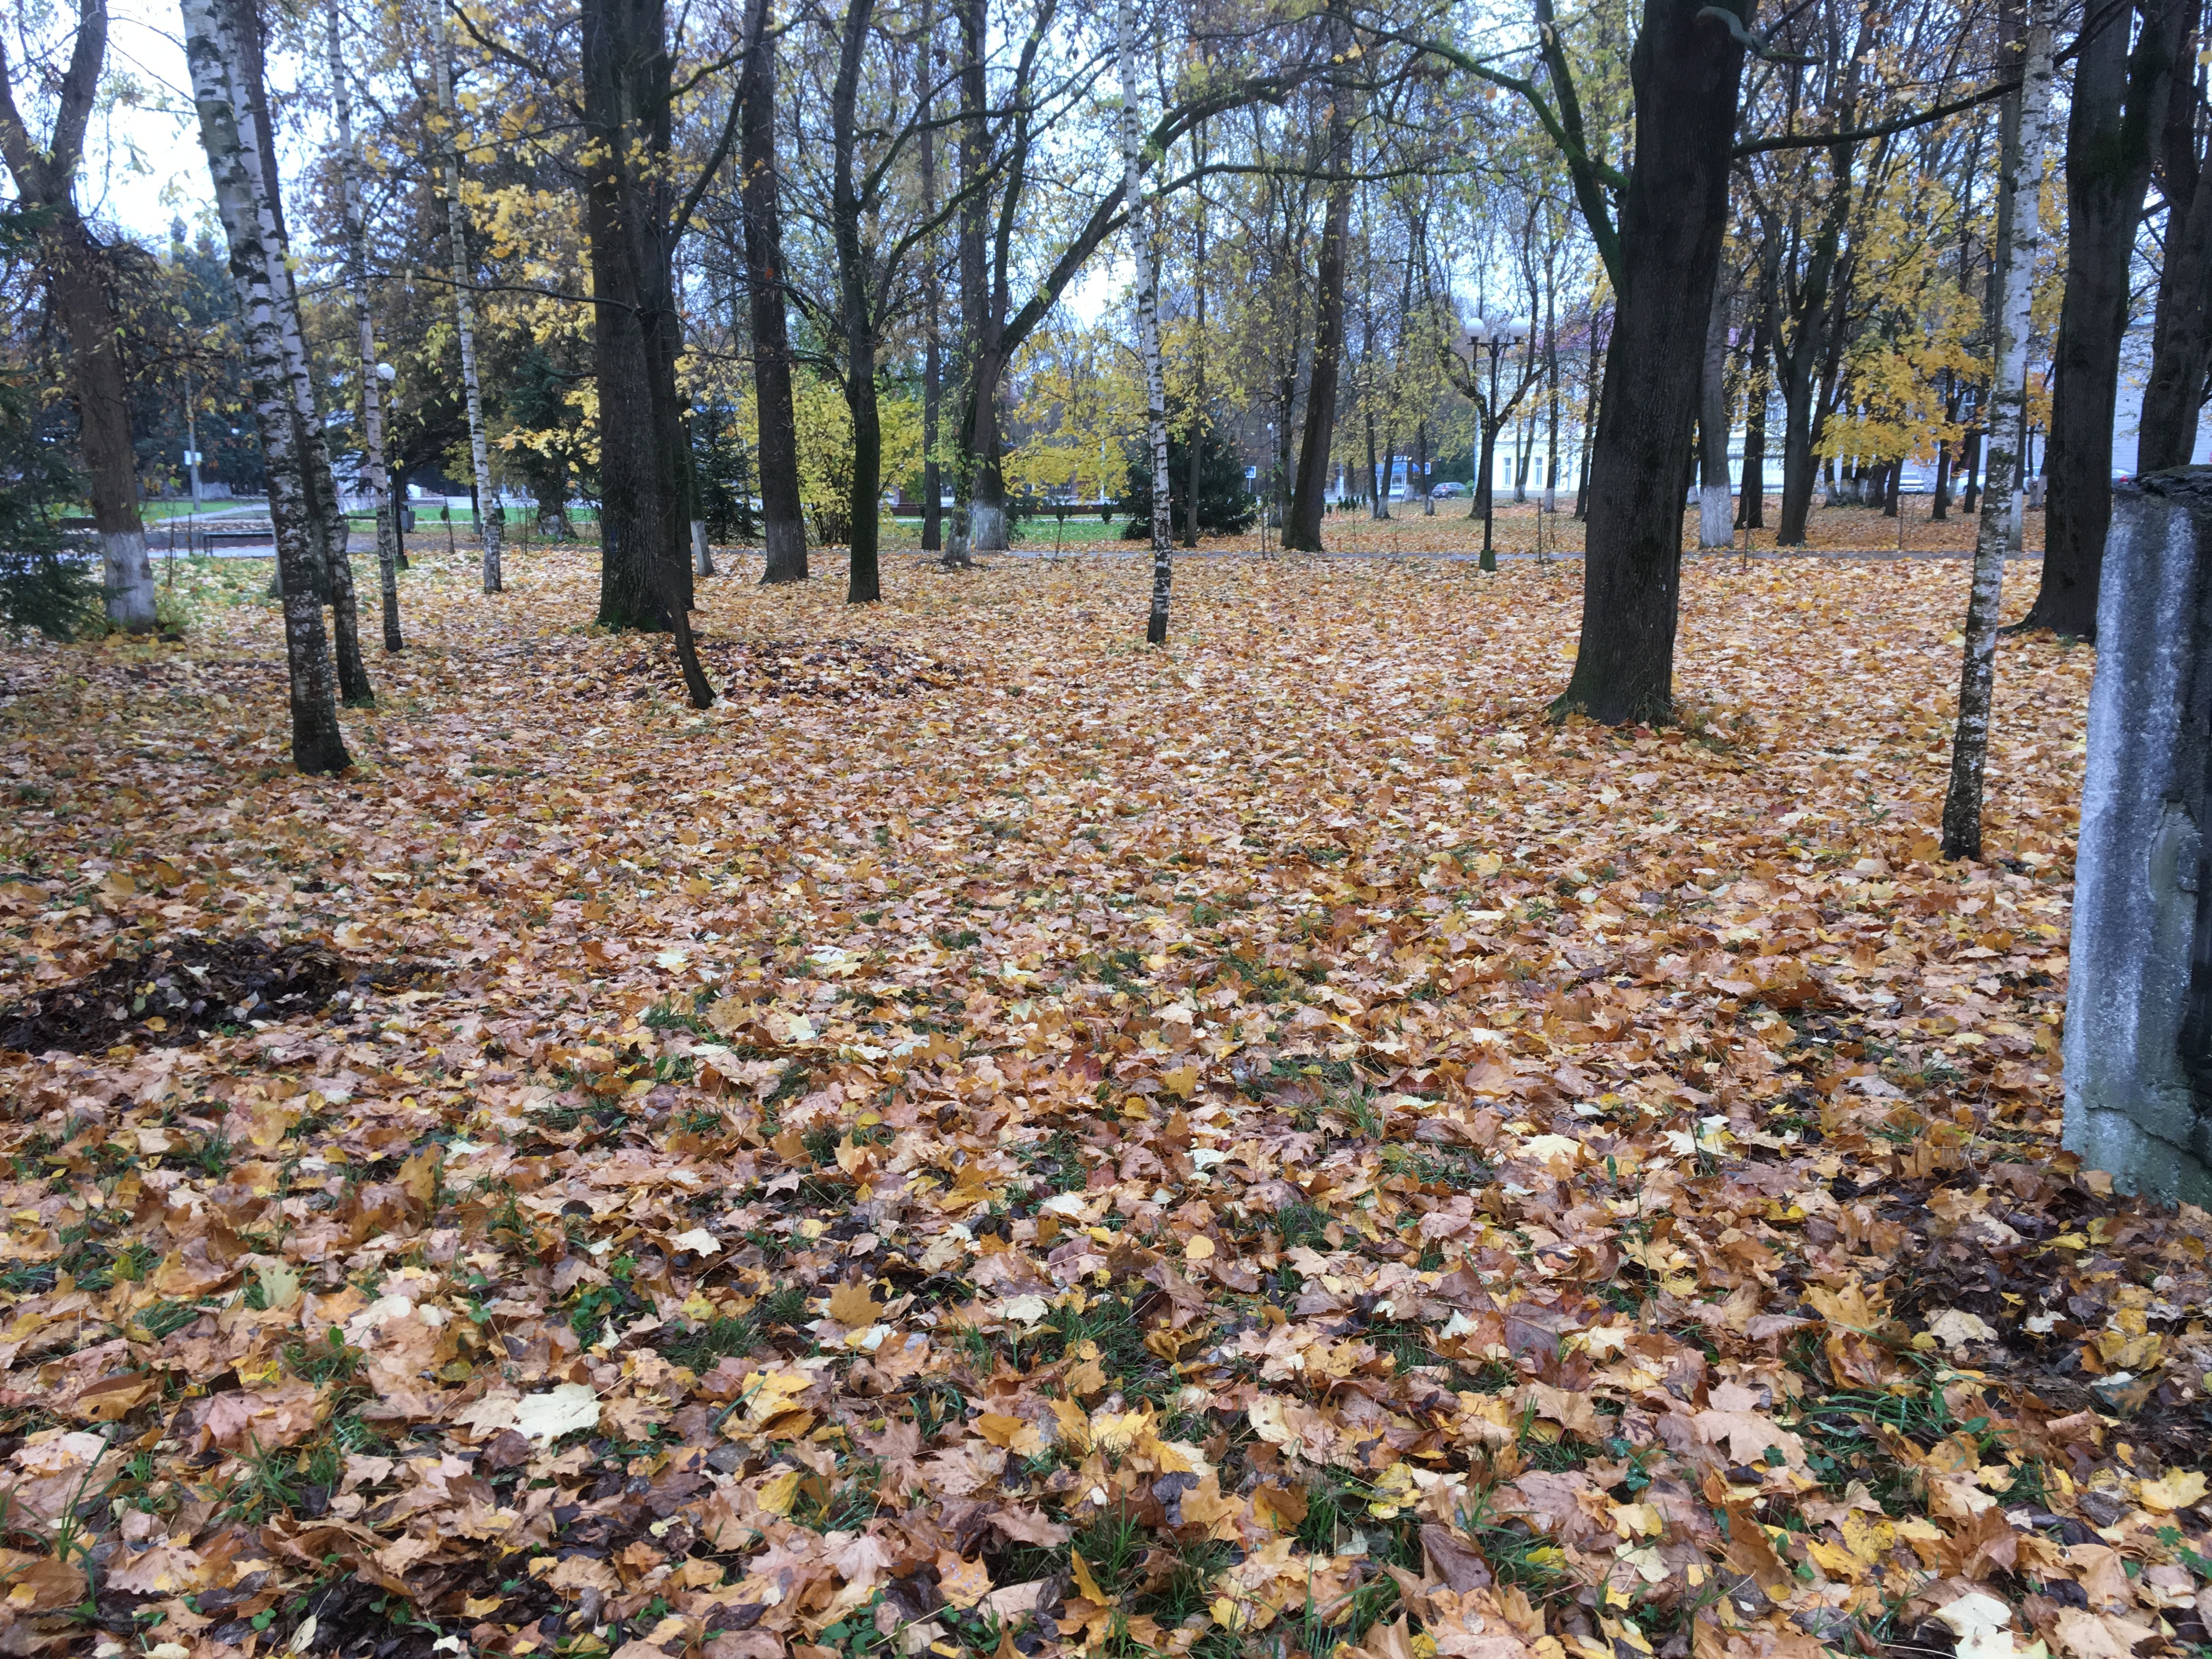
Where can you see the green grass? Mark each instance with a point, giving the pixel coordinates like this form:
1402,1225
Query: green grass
1843,1444
1302,1224
331,1360
698,1347
1111,1322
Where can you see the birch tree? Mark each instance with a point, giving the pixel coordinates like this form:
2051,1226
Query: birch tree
1996,534
1148,318
488,520
330,571
318,744
371,398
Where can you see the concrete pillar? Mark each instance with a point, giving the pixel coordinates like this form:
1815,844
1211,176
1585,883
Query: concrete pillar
2139,998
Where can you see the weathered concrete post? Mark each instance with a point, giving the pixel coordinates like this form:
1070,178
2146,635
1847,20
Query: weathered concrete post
2139,1001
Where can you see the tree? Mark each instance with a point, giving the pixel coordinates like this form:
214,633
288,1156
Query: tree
933,365
783,528
372,409
490,521
1302,526
1714,524
1225,505
2022,172
2116,117
78,281
40,587
1687,70
212,49
721,463
857,305
2181,334
330,572
645,519
1141,231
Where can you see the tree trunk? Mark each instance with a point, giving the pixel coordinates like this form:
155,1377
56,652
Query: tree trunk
978,486
1808,354
1590,395
783,527
1148,319
864,584
2117,114
2181,335
1800,465
372,401
1552,394
1199,417
1486,487
1302,526
2016,253
330,570
932,365
1757,392
1716,527
212,32
491,524
78,288
644,576
1376,477
1686,71
77,275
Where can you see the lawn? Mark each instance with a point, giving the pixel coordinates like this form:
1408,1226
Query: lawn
997,1140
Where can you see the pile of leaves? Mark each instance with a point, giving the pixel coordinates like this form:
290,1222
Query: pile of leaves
1844,531
1259,1148
823,670
184,990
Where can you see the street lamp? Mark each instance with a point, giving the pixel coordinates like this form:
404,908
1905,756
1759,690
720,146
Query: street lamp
1498,334
1274,481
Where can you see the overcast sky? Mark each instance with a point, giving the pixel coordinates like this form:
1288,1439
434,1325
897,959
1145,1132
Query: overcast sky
143,164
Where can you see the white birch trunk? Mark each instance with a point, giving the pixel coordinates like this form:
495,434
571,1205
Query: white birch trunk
703,556
330,572
372,390
318,744
1996,535
489,523
1148,319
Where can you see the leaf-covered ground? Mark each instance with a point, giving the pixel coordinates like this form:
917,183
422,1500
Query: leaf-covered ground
996,1140
1449,530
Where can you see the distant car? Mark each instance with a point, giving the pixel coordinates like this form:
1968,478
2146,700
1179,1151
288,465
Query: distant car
1444,492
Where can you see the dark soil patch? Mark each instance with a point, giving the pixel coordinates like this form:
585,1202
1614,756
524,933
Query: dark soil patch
182,991
2046,1302
824,670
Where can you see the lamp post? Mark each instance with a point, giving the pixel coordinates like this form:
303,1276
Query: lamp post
1497,334
1266,497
